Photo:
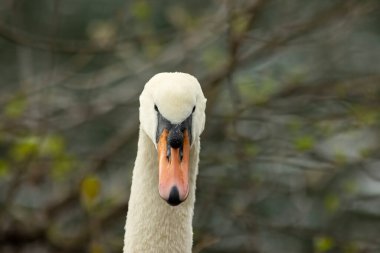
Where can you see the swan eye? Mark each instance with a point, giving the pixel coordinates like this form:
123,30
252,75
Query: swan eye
155,108
193,108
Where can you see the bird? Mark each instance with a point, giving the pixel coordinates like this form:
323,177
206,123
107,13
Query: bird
161,204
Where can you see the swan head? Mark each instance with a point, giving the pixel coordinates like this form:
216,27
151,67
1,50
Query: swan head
172,114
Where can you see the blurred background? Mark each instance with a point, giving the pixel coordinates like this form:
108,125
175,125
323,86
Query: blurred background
290,156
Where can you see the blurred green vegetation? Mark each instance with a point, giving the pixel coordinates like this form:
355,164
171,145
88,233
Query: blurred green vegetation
289,159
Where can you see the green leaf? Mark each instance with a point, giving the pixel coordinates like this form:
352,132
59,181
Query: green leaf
304,143
296,75
96,248
331,202
53,145
141,10
366,115
365,152
239,24
62,165
4,168
25,148
340,158
256,91
90,187
294,125
251,149
102,32
15,107
350,186
323,243
213,58
178,16
152,48
350,247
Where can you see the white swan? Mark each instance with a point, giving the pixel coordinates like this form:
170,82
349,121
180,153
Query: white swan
172,117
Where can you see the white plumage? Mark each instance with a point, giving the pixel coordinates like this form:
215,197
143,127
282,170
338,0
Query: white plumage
152,224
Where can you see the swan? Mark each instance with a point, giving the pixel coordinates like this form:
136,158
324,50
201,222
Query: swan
172,118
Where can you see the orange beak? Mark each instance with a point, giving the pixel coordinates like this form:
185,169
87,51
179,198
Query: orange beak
173,165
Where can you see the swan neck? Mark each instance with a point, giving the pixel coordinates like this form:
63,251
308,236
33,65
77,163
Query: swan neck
152,224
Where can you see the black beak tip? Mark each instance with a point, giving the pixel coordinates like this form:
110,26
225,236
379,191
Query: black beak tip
174,199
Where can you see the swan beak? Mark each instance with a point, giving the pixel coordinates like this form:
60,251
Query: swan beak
173,168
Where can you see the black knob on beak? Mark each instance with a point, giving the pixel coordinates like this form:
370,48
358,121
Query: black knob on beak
175,138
